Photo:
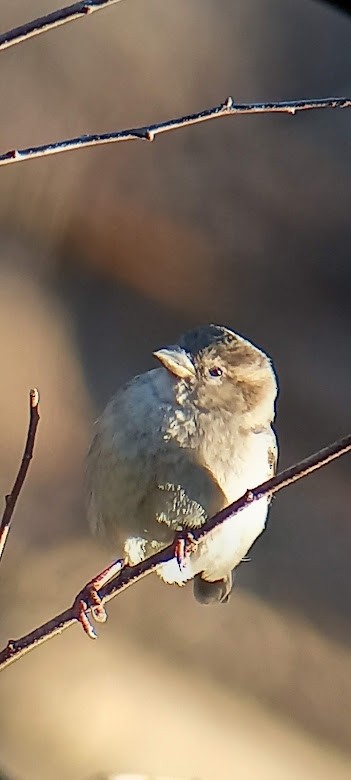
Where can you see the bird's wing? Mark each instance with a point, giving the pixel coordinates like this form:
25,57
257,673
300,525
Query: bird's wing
115,486
183,494
119,464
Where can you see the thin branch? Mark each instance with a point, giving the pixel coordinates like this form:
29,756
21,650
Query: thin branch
149,132
77,11
128,575
55,19
11,499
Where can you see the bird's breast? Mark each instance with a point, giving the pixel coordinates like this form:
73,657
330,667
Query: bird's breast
238,459
238,462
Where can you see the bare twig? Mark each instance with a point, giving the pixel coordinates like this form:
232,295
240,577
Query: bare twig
11,499
149,132
130,574
77,11
55,19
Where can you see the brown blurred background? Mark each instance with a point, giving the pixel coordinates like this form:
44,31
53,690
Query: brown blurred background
108,253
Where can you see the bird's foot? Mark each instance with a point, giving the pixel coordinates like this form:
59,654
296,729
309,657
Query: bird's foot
184,545
89,599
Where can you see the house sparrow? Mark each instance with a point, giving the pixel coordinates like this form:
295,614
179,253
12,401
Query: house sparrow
177,444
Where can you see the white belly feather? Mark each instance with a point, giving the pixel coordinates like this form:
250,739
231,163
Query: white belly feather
225,547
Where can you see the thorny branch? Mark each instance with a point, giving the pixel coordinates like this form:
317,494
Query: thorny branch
128,575
55,19
149,132
11,498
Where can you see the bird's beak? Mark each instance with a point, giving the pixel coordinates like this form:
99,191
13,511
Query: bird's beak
176,361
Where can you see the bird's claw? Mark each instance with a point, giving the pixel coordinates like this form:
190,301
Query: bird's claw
90,600
98,610
184,545
81,608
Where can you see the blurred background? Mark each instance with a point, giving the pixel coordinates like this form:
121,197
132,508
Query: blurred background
109,253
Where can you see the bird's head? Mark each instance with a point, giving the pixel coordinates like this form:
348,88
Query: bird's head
220,369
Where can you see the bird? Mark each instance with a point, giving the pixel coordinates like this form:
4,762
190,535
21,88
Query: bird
177,444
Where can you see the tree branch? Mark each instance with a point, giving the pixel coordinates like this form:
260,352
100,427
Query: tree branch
128,575
11,499
55,19
149,132
77,11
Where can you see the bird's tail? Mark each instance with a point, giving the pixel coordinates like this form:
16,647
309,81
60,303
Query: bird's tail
217,592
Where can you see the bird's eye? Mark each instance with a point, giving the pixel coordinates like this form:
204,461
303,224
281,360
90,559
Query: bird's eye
214,372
